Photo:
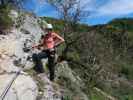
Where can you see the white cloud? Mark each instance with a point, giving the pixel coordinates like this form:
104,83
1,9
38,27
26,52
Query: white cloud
109,8
88,5
116,8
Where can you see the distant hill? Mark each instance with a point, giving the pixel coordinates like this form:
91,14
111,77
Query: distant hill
104,54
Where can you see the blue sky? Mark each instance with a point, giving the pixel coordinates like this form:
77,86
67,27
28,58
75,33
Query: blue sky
102,11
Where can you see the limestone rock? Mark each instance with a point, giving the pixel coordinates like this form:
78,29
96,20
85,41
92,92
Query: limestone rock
70,80
23,88
13,57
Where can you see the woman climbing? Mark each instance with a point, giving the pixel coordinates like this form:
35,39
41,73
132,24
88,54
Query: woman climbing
48,42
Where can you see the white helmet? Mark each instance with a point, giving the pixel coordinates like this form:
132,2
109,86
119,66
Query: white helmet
49,26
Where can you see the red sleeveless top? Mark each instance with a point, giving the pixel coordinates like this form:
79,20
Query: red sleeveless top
49,41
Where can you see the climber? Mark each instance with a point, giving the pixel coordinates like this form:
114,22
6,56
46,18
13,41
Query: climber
47,45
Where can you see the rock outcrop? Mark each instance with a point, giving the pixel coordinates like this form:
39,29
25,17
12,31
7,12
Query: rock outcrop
16,52
13,57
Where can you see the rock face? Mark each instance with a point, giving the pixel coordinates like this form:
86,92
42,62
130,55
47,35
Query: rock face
15,48
51,91
13,56
70,84
20,90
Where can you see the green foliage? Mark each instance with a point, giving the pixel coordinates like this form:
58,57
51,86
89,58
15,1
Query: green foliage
127,70
59,25
96,96
118,23
67,98
102,53
123,93
5,21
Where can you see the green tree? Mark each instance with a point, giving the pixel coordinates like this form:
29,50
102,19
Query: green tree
71,12
16,3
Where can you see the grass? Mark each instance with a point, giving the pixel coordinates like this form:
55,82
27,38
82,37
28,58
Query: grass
97,96
127,70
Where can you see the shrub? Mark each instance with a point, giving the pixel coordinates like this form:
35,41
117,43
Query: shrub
5,21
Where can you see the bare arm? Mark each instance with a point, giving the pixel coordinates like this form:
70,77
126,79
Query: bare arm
58,39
